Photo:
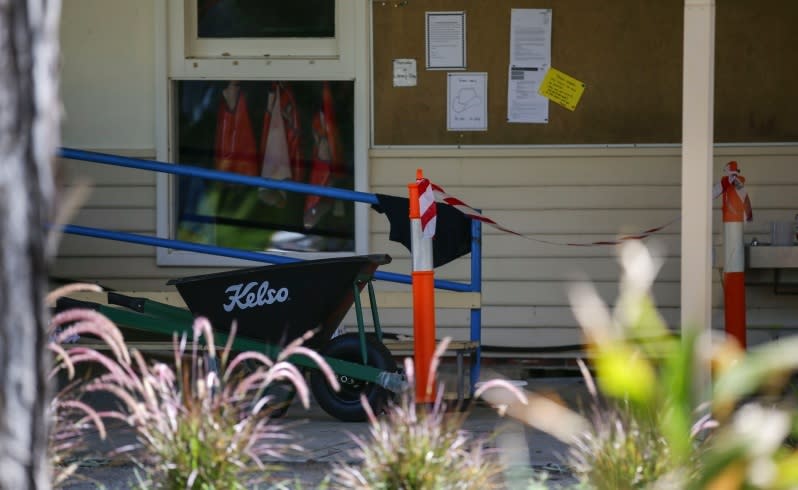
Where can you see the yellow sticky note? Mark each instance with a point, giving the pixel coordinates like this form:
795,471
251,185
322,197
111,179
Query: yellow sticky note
561,88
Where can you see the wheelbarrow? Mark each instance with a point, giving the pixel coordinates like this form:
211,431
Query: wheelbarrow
274,305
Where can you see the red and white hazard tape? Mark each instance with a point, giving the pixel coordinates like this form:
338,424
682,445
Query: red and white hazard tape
442,196
736,203
429,214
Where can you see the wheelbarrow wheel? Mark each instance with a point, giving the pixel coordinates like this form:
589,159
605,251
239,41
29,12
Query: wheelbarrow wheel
345,404
280,393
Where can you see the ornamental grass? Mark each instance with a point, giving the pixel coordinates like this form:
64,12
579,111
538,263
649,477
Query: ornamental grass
203,422
421,447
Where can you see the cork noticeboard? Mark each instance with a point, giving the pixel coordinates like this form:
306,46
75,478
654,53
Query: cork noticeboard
627,52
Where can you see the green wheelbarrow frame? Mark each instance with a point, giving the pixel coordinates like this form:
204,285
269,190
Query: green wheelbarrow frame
244,296
147,315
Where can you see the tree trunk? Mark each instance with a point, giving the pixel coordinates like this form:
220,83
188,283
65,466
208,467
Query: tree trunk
29,124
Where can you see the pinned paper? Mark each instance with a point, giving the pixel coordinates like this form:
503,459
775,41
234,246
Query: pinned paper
446,40
467,107
561,88
404,72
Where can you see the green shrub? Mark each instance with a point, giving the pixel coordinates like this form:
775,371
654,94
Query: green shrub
623,448
420,447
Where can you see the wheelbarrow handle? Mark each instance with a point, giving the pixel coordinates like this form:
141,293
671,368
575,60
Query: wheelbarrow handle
66,303
135,304
150,307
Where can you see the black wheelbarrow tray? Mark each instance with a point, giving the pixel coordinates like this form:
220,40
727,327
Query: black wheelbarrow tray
274,305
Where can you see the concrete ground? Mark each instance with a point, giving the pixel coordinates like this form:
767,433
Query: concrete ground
326,440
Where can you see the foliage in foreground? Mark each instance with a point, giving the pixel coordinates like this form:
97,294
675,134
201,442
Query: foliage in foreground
414,446
204,424
651,426
622,449
644,432
651,436
72,419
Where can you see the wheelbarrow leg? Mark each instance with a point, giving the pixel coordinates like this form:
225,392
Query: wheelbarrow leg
361,327
375,317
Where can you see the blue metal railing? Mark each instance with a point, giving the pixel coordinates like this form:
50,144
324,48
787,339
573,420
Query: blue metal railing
475,284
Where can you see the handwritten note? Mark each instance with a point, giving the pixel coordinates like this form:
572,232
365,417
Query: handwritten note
467,109
404,72
561,89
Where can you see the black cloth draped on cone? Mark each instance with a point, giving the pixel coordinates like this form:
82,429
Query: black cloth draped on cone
452,231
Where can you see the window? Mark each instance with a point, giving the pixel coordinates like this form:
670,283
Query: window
296,130
228,70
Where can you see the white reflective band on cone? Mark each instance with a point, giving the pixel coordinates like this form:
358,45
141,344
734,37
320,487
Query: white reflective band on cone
733,247
420,247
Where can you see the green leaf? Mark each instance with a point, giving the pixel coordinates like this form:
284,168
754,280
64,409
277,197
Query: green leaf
624,373
677,380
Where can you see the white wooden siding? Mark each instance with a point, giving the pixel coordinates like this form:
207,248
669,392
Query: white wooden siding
555,194
108,73
558,195
583,195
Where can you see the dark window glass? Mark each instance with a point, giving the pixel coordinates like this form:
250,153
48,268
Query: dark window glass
301,131
265,18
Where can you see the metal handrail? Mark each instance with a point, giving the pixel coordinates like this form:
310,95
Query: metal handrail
475,284
205,173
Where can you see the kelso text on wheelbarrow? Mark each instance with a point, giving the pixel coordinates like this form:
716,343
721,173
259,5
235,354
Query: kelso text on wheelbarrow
244,297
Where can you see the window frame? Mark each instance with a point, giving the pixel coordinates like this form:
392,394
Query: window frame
175,60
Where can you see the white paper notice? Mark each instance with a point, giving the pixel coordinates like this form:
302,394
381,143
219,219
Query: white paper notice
524,103
467,107
446,40
530,37
404,72
530,57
